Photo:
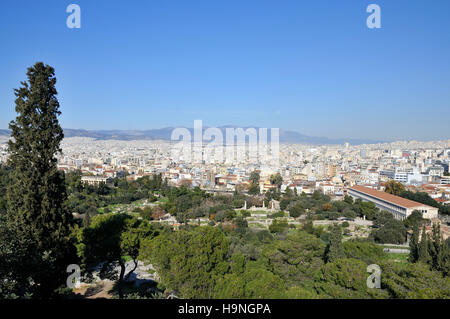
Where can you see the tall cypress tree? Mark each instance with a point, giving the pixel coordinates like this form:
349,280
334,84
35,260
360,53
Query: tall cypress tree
424,255
443,259
441,256
435,245
414,244
37,192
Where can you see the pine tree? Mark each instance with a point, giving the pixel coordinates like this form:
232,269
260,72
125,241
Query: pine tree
334,249
414,245
37,192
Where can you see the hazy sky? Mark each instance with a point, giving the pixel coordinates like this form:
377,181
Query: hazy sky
309,66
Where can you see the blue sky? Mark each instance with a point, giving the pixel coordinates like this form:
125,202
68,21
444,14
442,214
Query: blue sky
308,66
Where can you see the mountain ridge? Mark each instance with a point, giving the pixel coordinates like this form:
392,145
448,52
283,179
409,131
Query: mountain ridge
286,136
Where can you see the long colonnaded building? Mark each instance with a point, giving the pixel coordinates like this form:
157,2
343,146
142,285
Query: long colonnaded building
400,207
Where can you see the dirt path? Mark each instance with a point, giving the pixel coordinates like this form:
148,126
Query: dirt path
98,290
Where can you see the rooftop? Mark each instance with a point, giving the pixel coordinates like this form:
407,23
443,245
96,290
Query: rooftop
397,200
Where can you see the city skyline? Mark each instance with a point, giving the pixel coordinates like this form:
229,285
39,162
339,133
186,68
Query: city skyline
310,68
253,151
286,136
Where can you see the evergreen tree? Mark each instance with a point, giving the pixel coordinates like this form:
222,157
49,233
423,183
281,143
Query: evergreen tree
440,253
36,193
424,255
254,178
414,245
334,249
435,245
443,260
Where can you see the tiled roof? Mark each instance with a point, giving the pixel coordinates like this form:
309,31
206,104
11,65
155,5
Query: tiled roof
397,200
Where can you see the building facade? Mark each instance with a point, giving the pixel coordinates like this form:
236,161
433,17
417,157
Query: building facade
96,180
400,207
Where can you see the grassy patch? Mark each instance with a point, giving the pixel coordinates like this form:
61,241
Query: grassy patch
398,258
257,225
259,212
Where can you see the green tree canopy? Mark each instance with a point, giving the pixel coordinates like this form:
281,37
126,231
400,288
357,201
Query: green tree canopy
393,187
276,179
345,278
189,261
36,213
294,259
109,238
254,178
334,248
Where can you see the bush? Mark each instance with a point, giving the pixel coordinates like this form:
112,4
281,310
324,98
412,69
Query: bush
284,203
296,211
278,226
277,214
349,213
240,222
390,231
146,213
245,213
237,203
152,198
363,250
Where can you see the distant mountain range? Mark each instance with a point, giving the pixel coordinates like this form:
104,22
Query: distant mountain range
165,133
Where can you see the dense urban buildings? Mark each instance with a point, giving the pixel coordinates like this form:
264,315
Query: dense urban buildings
333,169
